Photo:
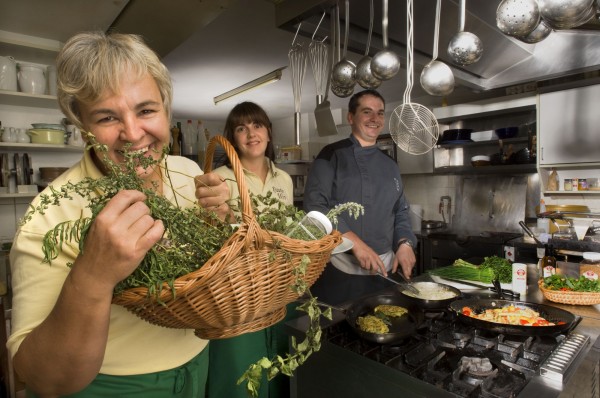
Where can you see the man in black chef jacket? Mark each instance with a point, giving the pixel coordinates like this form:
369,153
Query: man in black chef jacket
355,170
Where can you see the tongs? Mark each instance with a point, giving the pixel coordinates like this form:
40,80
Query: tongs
530,233
408,285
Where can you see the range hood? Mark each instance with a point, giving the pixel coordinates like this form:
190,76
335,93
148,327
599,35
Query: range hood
563,56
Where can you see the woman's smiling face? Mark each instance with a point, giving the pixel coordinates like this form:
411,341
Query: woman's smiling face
251,140
135,115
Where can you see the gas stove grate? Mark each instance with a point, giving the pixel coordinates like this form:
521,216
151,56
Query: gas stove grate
560,359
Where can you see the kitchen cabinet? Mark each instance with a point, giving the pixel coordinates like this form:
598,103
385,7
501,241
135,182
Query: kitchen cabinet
568,122
455,158
568,125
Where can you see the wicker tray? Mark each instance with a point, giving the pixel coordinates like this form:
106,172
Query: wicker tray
245,286
568,297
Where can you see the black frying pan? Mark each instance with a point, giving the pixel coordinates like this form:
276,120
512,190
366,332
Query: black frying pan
563,320
429,303
400,328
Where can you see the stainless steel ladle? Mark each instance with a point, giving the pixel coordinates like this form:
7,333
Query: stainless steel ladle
385,64
464,48
437,77
364,76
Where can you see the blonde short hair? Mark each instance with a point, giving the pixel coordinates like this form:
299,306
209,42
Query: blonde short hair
92,62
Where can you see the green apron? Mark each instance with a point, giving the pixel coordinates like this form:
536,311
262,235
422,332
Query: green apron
230,358
185,381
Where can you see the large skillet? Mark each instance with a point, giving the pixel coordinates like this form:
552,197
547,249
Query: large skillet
563,320
400,328
430,304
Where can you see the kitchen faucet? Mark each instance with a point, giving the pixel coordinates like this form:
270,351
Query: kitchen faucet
448,208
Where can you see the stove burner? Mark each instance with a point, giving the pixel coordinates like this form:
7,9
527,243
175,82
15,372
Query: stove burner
475,366
455,357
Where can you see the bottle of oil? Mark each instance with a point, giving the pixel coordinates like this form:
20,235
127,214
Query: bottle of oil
548,264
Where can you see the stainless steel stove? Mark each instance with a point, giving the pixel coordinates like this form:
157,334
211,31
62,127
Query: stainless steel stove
444,358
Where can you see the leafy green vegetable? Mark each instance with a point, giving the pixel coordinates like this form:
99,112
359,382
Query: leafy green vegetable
501,268
581,284
493,267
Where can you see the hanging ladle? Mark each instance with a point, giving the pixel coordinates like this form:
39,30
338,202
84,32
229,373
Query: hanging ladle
437,77
343,74
364,76
464,48
385,64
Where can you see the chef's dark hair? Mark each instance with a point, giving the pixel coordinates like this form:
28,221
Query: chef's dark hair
244,113
353,103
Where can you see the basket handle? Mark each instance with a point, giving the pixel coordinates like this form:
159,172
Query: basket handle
247,213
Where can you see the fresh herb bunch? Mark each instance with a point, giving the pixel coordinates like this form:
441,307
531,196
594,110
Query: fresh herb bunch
192,235
501,268
581,284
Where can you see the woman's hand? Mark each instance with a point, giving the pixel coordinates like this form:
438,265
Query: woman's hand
119,238
213,194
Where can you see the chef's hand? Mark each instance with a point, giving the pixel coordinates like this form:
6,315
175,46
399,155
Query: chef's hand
405,257
213,193
367,258
118,239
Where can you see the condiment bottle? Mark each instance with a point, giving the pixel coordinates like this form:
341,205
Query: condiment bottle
519,278
590,265
313,226
548,262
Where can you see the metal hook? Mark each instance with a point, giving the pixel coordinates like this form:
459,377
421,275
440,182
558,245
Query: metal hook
296,35
315,32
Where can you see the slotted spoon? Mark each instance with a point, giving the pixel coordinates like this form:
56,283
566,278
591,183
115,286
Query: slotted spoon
413,127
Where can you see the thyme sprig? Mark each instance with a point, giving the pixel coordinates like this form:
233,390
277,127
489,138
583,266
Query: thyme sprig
312,341
192,235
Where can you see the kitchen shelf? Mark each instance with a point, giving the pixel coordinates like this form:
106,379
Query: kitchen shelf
12,147
492,169
568,193
18,195
17,98
508,141
485,108
29,48
565,166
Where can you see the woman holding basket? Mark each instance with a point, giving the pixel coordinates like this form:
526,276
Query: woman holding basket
67,338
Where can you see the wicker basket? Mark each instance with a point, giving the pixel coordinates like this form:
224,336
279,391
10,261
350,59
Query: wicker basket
569,297
240,289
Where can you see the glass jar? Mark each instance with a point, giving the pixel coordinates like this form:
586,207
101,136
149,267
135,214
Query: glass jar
590,265
568,184
582,184
313,226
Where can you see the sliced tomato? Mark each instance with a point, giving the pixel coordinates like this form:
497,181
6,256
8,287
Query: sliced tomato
467,311
524,321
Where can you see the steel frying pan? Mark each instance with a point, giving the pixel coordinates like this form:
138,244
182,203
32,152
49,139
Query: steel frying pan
562,319
400,328
428,303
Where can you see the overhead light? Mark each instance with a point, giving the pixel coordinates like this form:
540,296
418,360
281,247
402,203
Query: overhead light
261,81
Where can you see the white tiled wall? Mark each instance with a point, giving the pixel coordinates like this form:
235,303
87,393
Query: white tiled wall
426,190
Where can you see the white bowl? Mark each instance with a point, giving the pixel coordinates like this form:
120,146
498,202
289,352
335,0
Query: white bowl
487,135
484,158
